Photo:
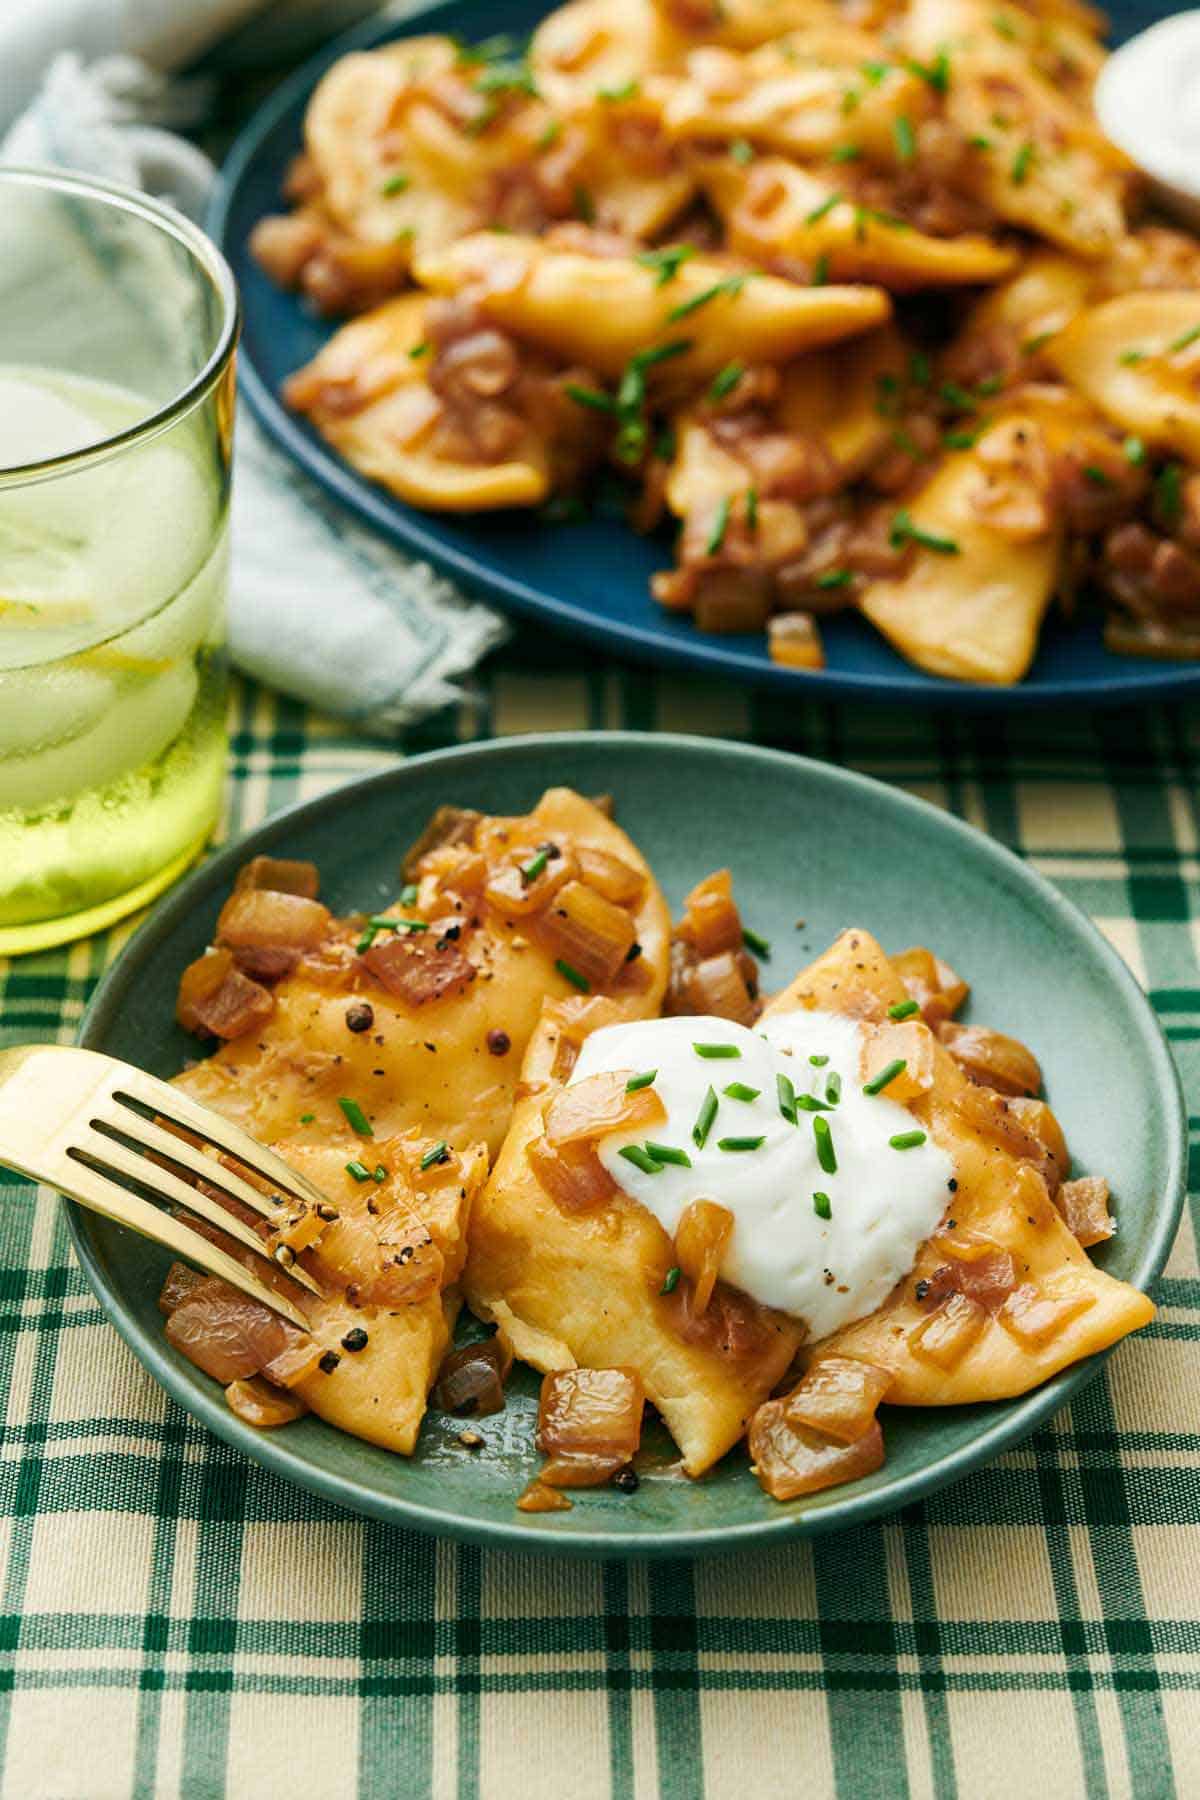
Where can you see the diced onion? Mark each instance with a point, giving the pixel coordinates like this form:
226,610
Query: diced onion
261,918
992,1059
702,1237
711,921
280,876
470,1382
589,1424
418,970
258,1403
573,1175
790,1460
948,1333
580,927
933,984
615,879
910,1043
1084,1205
599,1105
838,1396
1034,1318
217,1000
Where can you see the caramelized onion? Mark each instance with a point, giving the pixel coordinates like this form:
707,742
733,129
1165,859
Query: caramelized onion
515,894
573,1175
992,1059
263,919
418,970
217,1000
450,825
948,1333
180,1281
580,927
702,1237
988,1279
794,640
711,921
258,1403
589,1424
933,984
790,1460
599,1105
718,986
280,876
1084,1205
732,1325
1035,1117
538,1498
838,1396
615,879
231,1337
470,1382
1034,1318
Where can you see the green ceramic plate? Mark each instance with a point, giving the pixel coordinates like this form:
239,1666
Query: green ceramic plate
804,841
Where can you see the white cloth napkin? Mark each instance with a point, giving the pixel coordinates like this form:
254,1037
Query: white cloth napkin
320,608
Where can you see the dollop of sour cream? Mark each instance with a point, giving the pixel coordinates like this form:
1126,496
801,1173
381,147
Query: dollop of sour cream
883,1202
1147,100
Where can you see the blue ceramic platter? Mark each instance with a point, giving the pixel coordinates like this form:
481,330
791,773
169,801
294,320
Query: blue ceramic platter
590,580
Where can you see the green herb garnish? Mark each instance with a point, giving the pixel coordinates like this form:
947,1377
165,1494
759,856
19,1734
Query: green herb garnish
833,1088
307,1118
845,153
534,867
1021,164
593,398
356,1118
826,1155
726,381
666,264
786,1095
396,184
905,139
438,1153
834,578
759,945
737,1090
704,1119
907,1140
358,1170
1135,451
1168,492
716,536
667,1153
1183,340
740,1143
641,1159
903,1009
670,1282
818,1062
886,1076
644,1080
904,531
628,90
821,1205
742,151
729,284
819,212
570,973
715,1052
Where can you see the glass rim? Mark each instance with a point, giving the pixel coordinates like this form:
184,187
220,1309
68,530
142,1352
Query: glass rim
205,256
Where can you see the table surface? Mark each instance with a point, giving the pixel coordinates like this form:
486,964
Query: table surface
174,1621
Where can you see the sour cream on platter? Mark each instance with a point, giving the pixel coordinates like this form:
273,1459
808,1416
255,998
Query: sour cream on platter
883,1202
1148,102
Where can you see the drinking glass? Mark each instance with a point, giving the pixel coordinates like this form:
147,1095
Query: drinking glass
118,325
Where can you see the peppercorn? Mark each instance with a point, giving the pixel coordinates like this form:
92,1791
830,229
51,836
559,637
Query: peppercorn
499,1042
627,1480
329,1362
355,1339
360,1016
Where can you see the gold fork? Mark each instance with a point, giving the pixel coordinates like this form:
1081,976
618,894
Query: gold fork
75,1120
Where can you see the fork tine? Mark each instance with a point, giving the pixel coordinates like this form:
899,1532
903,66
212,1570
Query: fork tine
96,1191
181,1109
117,1156
149,1136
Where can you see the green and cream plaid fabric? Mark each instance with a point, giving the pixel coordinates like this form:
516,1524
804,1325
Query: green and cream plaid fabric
174,1621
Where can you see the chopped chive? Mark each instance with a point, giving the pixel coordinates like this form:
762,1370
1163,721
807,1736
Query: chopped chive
961,440
593,398
818,1062
904,531
640,1081
1021,163
716,536
819,212
833,1088
903,1009
954,395
936,73
1032,345
737,1090
670,1282
759,945
420,350
396,184
907,1140
786,1095
408,894
752,509
356,1117
742,151
366,940
667,1153
740,1143
641,1159
714,1052
851,101
379,1173
1097,476
980,143
810,1104
726,381
826,1155
439,1153
666,264
359,1170
729,284
835,578
874,72
704,1119
845,153
886,1076
571,974
628,90
307,1118
1183,340
821,1205
1135,451
387,922
1168,492
905,139
646,359
533,868
551,134
821,270
1131,357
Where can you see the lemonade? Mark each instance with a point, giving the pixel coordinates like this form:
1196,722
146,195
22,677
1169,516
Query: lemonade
112,677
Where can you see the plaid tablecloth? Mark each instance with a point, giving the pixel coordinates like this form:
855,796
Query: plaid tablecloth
176,1622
